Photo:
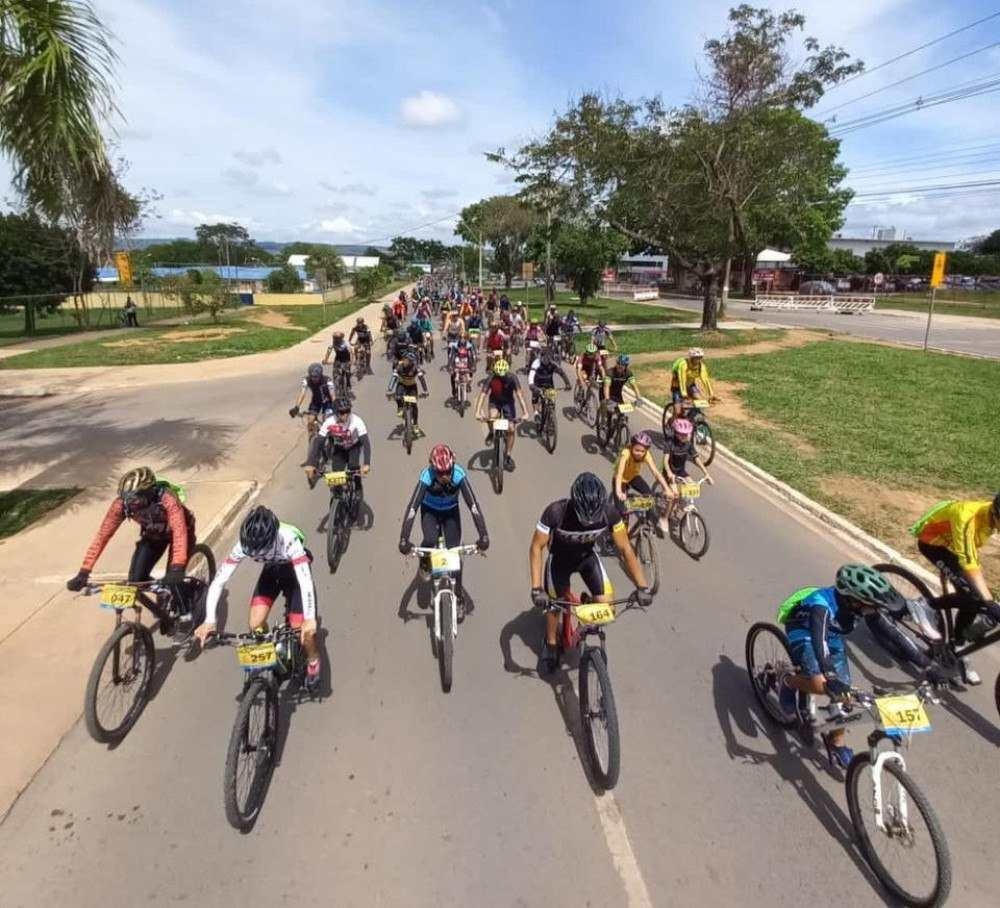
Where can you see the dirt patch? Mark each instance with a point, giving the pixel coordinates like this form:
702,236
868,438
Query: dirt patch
176,337
271,319
792,338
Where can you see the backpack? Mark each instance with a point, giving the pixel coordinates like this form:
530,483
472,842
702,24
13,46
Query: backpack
167,486
792,602
918,527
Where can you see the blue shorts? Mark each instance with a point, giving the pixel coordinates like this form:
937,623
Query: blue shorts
804,656
506,408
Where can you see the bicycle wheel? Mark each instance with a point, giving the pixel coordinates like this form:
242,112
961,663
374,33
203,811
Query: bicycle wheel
550,430
665,419
498,470
333,535
119,682
768,658
648,559
461,399
251,754
201,563
704,442
694,534
590,408
446,645
996,692
407,428
599,718
910,856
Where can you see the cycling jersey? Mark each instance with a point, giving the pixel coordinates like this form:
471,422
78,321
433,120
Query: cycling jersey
288,548
322,394
344,436
363,336
684,375
568,537
618,379
962,527
415,333
632,467
496,340
501,388
405,376
600,336
677,454
590,363
534,333
541,374
341,352
816,626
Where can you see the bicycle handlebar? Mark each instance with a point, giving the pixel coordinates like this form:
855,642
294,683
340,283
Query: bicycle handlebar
460,549
630,601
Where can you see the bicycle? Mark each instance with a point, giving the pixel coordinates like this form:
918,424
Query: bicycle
313,421
463,384
583,620
943,649
428,346
613,424
585,399
342,379
363,361
694,412
642,531
515,343
409,406
446,565
268,660
877,777
547,422
499,427
531,351
118,686
345,500
689,525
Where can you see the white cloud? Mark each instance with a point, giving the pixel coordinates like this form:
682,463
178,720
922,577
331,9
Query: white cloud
429,109
338,225
194,218
349,188
240,178
258,158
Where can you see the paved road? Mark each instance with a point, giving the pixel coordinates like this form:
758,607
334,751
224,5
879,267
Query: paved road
392,793
953,333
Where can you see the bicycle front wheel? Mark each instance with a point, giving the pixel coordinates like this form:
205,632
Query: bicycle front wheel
201,564
498,465
119,682
333,535
550,430
648,559
694,534
910,855
768,659
408,430
446,645
599,718
251,755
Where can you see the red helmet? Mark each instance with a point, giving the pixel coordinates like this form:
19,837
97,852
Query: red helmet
442,459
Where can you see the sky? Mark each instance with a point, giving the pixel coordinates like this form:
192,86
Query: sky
356,121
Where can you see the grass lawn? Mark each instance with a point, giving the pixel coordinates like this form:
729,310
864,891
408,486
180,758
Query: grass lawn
984,303
650,340
849,425
238,332
60,322
22,507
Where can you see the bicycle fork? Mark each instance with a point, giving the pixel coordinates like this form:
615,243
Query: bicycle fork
445,598
878,763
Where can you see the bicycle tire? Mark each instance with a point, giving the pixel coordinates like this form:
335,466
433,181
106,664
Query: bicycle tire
687,537
407,429
764,678
201,549
621,434
704,430
112,648
498,465
665,417
446,646
648,557
243,816
551,430
942,883
332,556
592,660
996,692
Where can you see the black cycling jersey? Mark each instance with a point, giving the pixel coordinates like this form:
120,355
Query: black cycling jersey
542,374
619,378
679,453
501,388
341,353
569,538
363,335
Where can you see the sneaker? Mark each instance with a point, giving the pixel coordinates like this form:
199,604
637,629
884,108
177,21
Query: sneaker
548,661
312,675
970,675
921,616
508,463
839,756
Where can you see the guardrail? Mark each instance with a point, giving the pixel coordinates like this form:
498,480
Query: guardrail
825,303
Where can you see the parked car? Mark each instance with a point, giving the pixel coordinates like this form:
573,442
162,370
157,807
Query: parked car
817,288
843,284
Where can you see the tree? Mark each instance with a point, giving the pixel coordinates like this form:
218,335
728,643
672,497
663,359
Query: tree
583,252
284,280
199,291
368,281
328,264
228,244
503,221
988,245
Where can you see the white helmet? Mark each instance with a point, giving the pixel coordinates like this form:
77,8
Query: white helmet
696,353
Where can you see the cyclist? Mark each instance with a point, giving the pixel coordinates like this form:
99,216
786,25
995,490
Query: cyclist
534,333
403,382
389,321
320,391
553,325
816,620
454,328
343,439
462,357
500,389
497,345
688,378
569,328
589,368
628,471
541,375
950,535
436,497
415,334
679,450
570,528
361,338
504,303
399,307
280,548
165,525
341,351
615,380
427,330
602,338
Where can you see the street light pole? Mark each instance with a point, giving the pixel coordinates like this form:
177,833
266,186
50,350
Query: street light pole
480,260
549,294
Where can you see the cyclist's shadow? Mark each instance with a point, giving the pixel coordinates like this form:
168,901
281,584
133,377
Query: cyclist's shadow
738,711
528,628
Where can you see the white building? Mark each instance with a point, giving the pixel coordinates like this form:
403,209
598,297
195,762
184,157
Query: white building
860,245
642,269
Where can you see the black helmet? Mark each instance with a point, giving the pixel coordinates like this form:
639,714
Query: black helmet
867,586
315,371
547,356
589,498
342,405
259,530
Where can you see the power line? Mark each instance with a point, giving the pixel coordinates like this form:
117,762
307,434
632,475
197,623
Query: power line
941,168
923,72
910,53
404,230
960,152
914,190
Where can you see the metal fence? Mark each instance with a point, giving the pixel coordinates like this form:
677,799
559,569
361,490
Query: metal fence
826,303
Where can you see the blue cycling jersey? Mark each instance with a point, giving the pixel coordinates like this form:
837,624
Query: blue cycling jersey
840,621
437,499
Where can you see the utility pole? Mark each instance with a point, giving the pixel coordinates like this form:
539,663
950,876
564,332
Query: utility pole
480,260
549,292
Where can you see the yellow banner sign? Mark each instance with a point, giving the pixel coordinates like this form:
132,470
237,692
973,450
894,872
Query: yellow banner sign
937,273
124,265
527,271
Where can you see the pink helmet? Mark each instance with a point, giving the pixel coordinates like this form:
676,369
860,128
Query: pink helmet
683,428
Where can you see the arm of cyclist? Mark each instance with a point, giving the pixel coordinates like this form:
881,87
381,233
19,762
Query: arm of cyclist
661,480
618,481
177,522
299,401
472,503
633,567
536,561
215,589
409,515
113,519
562,374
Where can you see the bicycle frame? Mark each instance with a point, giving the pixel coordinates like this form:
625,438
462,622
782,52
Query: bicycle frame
444,586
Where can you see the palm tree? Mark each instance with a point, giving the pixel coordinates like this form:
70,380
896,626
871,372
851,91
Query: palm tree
56,72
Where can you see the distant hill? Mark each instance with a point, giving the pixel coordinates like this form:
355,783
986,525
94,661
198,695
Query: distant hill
269,246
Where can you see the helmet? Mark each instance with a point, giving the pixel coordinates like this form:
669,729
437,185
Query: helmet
338,335
442,459
401,335
342,405
411,355
641,438
866,585
589,499
534,322
601,323
683,428
696,353
624,359
141,479
500,367
361,320
315,371
591,348
259,530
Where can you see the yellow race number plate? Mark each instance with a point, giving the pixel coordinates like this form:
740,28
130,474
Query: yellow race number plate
639,504
903,713
256,656
336,479
625,408
690,490
409,398
117,597
549,393
594,613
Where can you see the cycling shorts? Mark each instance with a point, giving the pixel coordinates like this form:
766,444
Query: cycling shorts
804,656
560,568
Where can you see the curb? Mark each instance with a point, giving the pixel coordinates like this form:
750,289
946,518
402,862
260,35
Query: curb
221,522
841,526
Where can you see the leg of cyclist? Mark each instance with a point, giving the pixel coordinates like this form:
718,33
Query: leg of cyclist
288,585
147,552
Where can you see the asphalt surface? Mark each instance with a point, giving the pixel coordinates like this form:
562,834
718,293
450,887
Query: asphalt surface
951,333
390,792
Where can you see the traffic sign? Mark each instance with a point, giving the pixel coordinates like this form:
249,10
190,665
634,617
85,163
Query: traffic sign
879,279
527,271
937,273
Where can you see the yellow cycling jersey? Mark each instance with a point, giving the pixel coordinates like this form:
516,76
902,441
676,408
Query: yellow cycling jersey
685,375
632,467
960,526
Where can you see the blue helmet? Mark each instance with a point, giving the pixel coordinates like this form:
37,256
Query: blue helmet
624,359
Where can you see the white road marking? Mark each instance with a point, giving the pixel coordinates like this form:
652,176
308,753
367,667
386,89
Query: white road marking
622,855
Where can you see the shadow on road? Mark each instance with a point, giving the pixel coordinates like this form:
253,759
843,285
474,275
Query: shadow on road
739,714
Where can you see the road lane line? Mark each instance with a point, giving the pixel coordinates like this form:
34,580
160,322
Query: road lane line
622,855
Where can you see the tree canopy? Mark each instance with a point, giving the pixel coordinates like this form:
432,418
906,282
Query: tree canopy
503,221
284,280
583,251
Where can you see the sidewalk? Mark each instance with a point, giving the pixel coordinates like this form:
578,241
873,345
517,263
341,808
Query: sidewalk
49,636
